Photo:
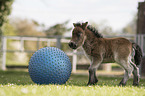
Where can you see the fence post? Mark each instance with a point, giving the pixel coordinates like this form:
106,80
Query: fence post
22,44
74,61
1,52
48,43
38,39
4,42
58,43
106,67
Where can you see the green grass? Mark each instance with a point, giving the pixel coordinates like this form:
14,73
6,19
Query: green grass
16,83
15,63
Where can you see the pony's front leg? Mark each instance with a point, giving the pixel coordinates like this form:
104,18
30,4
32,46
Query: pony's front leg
92,71
92,76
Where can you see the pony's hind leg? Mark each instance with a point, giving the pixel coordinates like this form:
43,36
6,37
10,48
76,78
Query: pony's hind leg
92,71
128,71
135,74
136,77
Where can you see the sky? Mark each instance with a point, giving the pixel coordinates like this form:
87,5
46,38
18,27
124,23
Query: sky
115,13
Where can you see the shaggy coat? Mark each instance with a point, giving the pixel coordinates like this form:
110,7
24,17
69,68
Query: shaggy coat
99,50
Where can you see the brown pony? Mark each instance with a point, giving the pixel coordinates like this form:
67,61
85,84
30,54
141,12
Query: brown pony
99,50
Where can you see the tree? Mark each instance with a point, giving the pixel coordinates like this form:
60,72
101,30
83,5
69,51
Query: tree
103,28
5,10
8,29
58,29
131,27
22,27
25,27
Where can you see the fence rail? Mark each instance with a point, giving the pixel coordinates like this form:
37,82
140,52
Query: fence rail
56,39
139,39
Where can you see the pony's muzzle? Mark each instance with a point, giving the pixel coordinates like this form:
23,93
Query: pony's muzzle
72,45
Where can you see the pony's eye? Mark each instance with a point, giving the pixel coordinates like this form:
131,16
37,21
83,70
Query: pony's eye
79,34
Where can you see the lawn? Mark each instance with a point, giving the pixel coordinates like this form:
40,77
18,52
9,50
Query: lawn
18,83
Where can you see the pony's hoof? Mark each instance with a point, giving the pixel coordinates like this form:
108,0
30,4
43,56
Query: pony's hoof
93,82
122,84
135,84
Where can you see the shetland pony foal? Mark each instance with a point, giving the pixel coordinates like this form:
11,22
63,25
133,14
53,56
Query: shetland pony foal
99,49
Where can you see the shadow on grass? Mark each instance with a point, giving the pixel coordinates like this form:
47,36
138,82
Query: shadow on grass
23,78
82,80
15,77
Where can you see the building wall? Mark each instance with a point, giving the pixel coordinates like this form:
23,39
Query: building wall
141,18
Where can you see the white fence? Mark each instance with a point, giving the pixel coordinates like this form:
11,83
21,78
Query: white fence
139,39
21,39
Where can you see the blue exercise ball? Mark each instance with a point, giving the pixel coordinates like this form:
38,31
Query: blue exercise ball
49,65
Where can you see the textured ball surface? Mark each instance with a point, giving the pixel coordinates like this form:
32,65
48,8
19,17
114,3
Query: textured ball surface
49,65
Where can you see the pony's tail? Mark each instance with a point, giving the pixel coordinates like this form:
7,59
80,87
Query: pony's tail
137,55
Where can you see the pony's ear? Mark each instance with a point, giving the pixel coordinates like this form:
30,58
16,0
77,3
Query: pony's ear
77,24
74,24
84,25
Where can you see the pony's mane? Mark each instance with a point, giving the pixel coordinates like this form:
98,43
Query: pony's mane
92,29
95,31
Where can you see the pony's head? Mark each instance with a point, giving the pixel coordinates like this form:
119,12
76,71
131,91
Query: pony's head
78,35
